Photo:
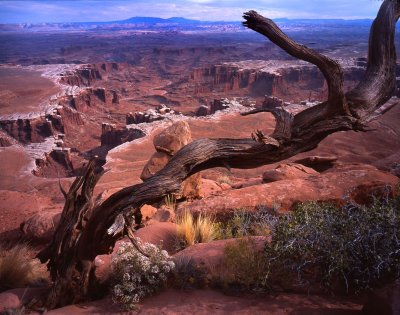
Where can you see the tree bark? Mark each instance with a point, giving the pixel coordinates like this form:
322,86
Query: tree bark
88,230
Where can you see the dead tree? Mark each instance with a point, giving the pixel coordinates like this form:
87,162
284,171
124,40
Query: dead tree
88,229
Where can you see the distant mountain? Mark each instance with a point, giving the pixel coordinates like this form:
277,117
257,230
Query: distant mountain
155,20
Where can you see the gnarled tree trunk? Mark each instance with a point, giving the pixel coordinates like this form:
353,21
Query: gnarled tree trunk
87,230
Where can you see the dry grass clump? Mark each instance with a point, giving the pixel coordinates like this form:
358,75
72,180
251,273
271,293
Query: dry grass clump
18,269
170,201
191,231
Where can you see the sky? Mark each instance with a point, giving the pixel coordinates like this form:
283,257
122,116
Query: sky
27,11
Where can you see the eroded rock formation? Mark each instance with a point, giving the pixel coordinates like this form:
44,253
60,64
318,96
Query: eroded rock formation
273,77
113,136
159,113
88,74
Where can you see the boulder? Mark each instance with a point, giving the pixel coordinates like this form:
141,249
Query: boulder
173,138
210,255
191,187
41,226
288,171
157,161
160,233
385,301
164,214
167,143
147,211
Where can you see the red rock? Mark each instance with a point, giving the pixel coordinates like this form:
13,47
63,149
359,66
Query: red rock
173,138
209,187
354,181
161,233
157,161
288,171
15,298
9,301
318,163
167,143
164,214
6,140
210,255
41,226
191,186
147,211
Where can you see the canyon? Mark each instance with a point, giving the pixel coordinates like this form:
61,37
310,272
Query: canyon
109,94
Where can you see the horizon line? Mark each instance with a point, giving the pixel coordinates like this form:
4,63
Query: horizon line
204,21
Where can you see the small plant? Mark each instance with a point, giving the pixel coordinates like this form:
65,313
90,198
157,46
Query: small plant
191,231
356,247
17,269
187,274
170,201
247,223
224,179
243,266
136,276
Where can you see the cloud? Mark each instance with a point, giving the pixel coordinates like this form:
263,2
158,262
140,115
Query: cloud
228,10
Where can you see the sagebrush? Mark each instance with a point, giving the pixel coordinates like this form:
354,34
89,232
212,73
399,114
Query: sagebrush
135,275
355,247
247,223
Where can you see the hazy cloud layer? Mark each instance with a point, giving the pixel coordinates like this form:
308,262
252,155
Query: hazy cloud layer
211,10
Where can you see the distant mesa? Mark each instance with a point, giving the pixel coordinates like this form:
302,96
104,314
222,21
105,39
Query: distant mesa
156,20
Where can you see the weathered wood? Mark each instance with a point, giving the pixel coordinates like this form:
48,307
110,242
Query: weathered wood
85,230
64,262
379,80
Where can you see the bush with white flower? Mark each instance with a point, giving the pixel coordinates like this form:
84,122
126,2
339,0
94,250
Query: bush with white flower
135,275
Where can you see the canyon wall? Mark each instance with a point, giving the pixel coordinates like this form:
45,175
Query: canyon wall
87,75
286,81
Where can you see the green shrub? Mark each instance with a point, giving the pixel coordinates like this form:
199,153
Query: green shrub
355,247
243,266
136,276
188,275
246,223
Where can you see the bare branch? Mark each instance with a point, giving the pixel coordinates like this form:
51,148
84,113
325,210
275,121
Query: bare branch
331,70
379,80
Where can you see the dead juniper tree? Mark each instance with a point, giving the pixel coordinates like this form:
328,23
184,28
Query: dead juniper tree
88,229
